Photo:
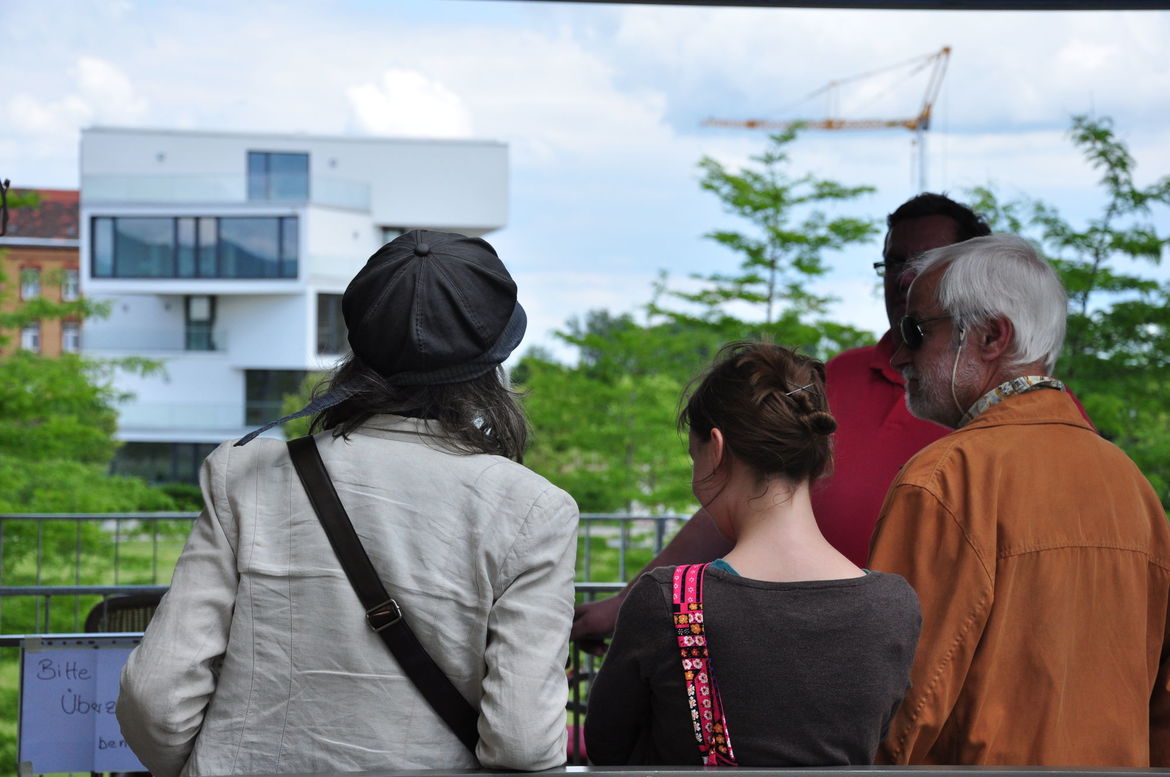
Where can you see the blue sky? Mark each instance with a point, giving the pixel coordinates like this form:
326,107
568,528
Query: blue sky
601,107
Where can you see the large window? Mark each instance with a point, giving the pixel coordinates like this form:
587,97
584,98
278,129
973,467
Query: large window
264,393
199,323
331,331
250,248
30,337
278,176
70,286
103,248
144,248
195,247
70,337
162,462
30,283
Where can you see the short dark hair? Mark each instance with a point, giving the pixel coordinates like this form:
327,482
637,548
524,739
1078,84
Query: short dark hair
481,415
968,223
769,402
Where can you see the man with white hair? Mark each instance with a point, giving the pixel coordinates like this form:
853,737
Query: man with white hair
1039,551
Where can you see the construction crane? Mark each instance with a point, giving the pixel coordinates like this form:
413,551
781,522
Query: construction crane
918,124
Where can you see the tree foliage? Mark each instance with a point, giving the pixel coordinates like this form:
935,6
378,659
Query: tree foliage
1117,352
59,419
782,249
291,403
604,429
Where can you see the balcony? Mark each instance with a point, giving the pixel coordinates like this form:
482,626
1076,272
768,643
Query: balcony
214,189
196,338
172,416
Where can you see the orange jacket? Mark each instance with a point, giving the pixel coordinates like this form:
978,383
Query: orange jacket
1041,556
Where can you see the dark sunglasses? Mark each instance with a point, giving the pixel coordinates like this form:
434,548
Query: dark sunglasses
911,330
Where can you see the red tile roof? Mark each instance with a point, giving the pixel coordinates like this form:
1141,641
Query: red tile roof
56,216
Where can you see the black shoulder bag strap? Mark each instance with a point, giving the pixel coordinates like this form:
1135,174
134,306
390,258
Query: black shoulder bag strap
382,612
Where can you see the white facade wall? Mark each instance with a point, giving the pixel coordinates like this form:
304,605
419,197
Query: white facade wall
358,187
197,397
456,185
335,245
268,332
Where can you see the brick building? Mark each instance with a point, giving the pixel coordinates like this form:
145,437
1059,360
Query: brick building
39,259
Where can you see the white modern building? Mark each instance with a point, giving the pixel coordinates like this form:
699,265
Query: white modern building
223,257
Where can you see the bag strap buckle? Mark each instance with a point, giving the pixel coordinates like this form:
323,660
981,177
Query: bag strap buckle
384,615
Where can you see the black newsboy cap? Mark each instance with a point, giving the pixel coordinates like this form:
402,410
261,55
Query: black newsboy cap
433,307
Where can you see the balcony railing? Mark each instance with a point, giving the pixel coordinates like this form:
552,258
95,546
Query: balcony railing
62,564
213,189
191,416
193,339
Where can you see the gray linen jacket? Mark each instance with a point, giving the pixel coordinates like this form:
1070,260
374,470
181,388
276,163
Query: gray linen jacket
259,659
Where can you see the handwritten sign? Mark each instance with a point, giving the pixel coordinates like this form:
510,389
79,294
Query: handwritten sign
68,691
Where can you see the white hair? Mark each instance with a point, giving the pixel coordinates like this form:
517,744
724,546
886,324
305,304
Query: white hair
1002,275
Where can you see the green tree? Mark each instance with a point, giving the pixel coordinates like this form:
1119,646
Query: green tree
1117,352
783,249
604,429
59,413
291,403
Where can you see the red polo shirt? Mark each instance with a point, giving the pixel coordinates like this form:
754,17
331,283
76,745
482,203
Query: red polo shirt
875,436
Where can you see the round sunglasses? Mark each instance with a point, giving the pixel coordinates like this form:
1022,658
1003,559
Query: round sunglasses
911,330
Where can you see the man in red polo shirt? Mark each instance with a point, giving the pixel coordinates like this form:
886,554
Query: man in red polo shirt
876,434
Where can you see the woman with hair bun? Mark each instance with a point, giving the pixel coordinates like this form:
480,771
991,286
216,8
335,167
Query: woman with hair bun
781,653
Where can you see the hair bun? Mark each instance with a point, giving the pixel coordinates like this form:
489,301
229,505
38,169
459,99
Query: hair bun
769,402
821,422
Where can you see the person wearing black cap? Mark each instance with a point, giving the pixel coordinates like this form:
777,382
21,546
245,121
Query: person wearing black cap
259,659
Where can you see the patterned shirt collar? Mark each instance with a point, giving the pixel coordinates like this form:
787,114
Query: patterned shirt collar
1010,388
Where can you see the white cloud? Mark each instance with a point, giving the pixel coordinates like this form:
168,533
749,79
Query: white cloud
38,141
406,102
108,92
544,92
103,93
41,117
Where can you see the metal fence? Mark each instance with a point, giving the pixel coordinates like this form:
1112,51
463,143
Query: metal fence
55,567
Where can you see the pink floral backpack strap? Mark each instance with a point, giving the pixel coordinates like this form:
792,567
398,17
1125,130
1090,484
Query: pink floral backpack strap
711,731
